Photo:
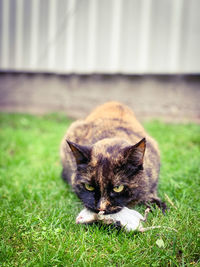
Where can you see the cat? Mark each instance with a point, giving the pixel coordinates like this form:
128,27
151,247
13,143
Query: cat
110,161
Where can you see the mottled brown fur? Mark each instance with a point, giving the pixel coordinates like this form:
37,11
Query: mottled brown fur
108,149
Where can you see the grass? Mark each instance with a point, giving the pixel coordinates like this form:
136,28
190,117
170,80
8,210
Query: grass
38,211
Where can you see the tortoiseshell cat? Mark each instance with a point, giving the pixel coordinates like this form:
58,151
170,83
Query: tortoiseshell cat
110,161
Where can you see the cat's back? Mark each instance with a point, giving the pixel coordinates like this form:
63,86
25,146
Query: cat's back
111,119
115,113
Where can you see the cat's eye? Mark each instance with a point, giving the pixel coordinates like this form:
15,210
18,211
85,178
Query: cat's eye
89,187
118,188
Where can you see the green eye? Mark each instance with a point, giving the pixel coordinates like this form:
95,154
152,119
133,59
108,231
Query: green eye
118,188
89,187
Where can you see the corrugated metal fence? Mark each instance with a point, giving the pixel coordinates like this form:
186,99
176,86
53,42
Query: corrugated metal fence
100,36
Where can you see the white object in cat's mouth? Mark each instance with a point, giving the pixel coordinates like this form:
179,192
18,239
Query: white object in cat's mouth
101,212
127,218
86,216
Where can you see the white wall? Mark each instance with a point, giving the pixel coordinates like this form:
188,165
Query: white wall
100,36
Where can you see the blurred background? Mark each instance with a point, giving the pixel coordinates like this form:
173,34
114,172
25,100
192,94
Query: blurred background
71,55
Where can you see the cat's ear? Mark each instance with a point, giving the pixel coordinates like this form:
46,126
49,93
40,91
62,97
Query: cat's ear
135,153
81,153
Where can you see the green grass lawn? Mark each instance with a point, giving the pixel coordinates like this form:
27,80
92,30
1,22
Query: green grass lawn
38,210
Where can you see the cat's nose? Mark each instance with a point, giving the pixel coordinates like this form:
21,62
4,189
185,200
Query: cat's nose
102,204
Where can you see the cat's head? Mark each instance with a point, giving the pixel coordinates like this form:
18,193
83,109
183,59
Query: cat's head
108,173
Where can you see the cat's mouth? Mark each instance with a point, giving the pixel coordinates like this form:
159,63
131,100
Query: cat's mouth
111,210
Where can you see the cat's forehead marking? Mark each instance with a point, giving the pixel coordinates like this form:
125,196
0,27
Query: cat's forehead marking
105,167
103,171
105,155
113,149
